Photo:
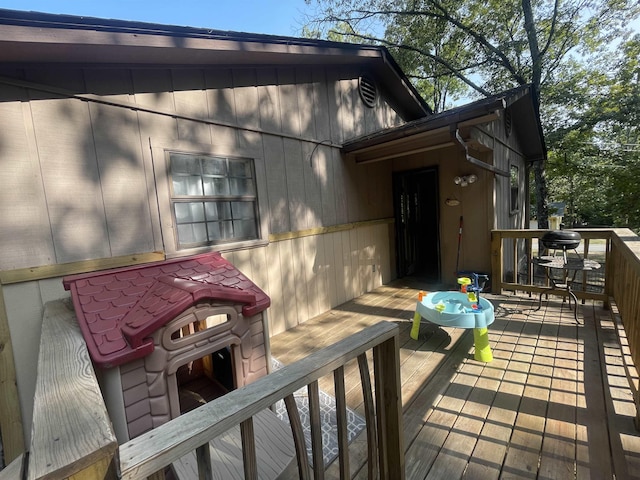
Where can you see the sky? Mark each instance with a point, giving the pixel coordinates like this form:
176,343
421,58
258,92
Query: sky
274,17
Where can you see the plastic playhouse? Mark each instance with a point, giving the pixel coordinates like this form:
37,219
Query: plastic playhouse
461,309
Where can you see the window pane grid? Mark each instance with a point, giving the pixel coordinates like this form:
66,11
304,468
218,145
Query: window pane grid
213,198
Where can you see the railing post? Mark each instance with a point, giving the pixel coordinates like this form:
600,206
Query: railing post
72,434
369,411
610,272
298,437
386,364
315,423
249,449
203,457
341,420
496,262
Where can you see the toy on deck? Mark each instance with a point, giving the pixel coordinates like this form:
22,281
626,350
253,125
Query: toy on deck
461,309
473,287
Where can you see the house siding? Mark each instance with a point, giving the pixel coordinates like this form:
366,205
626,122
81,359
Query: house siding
484,205
78,172
81,182
507,152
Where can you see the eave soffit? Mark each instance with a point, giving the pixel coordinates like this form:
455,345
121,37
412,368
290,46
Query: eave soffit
439,130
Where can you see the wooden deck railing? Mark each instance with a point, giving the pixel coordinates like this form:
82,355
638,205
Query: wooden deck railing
59,449
70,440
157,449
513,266
618,281
623,284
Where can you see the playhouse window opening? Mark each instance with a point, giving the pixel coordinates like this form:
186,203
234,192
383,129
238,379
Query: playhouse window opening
181,335
213,199
205,379
215,320
192,328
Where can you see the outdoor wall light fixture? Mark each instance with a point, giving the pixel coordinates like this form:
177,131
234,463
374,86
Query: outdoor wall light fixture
465,180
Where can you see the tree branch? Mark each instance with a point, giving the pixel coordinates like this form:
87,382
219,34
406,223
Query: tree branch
454,70
446,16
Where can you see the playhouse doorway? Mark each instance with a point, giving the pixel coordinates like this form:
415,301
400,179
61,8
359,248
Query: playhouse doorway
205,371
416,209
204,379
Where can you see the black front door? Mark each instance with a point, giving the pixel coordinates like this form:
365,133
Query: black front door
416,211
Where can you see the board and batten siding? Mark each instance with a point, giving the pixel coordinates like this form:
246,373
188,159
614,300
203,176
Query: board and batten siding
80,182
507,153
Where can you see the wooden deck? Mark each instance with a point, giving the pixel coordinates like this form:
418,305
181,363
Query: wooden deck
554,403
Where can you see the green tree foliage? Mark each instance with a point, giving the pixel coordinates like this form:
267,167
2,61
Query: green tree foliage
481,47
486,45
595,164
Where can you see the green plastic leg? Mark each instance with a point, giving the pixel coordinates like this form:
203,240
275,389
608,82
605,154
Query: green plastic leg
481,340
415,330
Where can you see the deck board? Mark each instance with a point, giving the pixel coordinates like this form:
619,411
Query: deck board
592,450
554,403
490,448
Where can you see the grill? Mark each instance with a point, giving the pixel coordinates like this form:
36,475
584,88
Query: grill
561,240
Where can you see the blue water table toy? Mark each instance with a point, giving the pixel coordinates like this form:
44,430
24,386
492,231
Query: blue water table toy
461,309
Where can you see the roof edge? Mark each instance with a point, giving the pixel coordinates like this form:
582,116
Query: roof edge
35,37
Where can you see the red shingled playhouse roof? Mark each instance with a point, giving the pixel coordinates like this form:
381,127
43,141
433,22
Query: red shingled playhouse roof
119,309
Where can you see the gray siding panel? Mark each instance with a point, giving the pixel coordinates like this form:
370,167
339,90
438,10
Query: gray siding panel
306,102
313,177
153,89
120,162
290,110
275,171
322,160
25,234
221,105
271,115
71,180
190,98
89,175
122,178
247,103
341,187
298,209
319,104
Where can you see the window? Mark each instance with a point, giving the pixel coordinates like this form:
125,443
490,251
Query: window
515,188
213,199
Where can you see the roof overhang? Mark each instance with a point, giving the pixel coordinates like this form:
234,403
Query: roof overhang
442,130
39,38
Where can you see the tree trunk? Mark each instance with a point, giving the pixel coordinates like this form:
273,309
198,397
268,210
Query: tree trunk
541,194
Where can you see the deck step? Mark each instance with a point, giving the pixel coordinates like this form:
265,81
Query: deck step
275,451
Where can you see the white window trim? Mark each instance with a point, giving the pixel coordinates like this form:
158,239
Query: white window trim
161,170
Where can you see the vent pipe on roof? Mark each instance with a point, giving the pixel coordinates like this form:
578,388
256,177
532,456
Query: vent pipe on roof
471,159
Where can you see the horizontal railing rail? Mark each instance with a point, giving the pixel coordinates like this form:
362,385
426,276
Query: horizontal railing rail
152,452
